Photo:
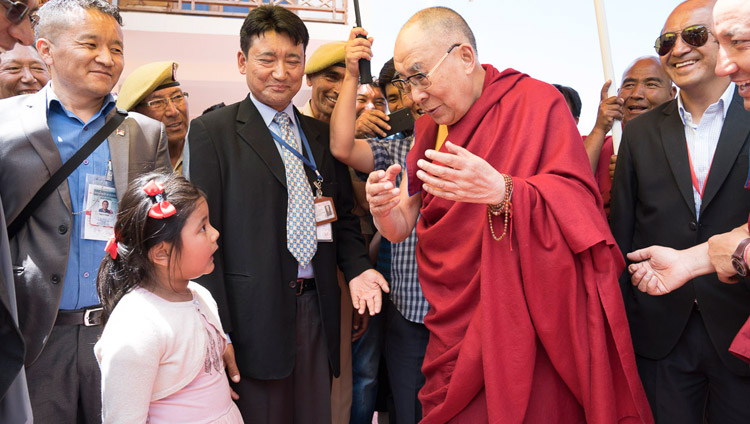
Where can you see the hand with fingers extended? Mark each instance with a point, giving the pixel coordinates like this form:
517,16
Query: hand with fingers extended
372,123
356,49
610,109
382,193
660,270
459,175
367,291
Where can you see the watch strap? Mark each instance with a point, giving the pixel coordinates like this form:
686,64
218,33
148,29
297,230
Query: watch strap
738,258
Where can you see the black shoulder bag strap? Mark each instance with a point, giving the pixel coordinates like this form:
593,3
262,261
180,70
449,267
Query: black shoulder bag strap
63,173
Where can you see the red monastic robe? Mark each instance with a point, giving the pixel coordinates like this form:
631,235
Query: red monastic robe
531,329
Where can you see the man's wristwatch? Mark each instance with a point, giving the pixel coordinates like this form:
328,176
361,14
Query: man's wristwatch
738,258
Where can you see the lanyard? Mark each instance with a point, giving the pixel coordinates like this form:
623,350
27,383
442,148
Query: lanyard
694,177
310,163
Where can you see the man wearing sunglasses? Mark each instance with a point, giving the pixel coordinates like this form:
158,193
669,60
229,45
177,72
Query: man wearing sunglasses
679,181
16,23
508,305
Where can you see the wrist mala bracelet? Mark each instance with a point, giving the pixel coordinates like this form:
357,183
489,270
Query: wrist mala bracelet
505,207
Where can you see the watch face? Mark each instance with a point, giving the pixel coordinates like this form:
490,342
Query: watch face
739,267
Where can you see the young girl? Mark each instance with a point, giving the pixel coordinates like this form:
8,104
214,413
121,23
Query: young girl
162,345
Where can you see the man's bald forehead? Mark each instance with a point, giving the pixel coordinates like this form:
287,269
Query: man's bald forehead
652,62
443,22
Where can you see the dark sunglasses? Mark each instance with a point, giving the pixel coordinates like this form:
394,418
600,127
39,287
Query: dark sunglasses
15,11
694,35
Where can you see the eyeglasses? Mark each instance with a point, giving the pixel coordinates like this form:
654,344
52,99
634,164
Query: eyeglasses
694,35
15,11
160,105
420,80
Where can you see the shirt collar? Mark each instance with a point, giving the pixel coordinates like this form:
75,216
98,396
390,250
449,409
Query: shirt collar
268,113
54,101
724,101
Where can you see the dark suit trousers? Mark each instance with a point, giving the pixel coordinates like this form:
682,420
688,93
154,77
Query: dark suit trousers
405,345
303,397
65,382
693,382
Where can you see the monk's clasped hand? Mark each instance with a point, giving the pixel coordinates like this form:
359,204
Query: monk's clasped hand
459,175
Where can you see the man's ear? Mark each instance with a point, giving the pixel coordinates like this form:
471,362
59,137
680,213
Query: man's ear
241,62
468,57
160,254
43,46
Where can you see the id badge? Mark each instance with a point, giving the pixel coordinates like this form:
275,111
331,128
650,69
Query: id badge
325,213
100,205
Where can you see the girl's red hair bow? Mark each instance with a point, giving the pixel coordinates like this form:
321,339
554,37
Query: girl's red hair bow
162,209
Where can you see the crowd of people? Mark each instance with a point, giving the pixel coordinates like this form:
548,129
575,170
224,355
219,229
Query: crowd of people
442,237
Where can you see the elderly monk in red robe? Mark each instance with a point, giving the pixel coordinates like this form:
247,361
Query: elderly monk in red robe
526,322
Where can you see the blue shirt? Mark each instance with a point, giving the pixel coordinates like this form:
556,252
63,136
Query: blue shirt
70,133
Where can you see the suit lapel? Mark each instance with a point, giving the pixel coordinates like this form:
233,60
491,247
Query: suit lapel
733,135
675,149
252,130
34,123
119,153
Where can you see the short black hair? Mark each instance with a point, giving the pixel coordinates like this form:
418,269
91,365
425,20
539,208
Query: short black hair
387,72
273,18
572,97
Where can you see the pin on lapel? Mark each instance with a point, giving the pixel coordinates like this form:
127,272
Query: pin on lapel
120,132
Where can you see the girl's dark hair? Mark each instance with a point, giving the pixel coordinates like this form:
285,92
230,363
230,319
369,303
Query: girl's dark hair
137,233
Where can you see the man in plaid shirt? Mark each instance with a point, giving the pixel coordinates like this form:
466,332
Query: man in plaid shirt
402,337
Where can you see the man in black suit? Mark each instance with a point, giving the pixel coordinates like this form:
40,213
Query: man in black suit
279,305
679,180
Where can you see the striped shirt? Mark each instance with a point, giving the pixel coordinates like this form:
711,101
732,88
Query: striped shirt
406,293
702,139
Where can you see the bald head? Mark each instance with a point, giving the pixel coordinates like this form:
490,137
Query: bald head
435,53
443,24
644,86
732,30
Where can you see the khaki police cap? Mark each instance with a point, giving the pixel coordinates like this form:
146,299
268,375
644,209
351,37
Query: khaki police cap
145,80
325,56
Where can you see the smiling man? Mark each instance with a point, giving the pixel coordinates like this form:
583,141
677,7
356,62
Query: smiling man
644,86
324,73
260,162
55,254
152,89
22,71
679,180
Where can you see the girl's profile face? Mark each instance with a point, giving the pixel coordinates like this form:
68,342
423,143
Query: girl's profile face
198,246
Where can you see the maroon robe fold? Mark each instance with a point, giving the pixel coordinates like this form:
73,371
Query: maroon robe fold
531,329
